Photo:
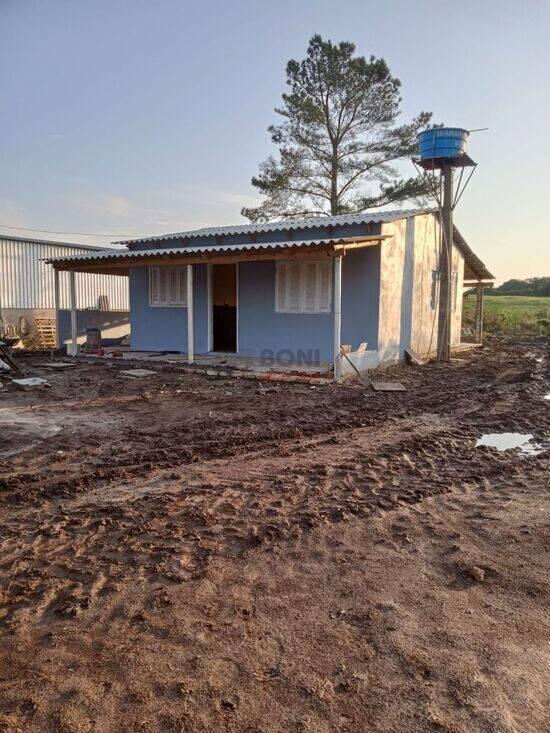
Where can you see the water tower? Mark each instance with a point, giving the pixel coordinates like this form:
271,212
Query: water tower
442,153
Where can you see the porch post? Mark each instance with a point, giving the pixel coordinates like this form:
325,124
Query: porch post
190,334
479,313
56,300
337,317
72,292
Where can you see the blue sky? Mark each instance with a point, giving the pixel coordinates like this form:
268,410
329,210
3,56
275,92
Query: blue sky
141,116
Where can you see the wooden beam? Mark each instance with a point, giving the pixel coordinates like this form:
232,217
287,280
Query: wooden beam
115,267
479,314
72,290
190,325
56,291
337,314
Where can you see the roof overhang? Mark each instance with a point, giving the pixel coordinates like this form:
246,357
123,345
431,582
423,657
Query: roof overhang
474,269
115,262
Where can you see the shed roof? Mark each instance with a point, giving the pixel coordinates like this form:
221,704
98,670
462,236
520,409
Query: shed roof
29,240
474,268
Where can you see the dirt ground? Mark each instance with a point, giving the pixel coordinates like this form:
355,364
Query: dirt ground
195,554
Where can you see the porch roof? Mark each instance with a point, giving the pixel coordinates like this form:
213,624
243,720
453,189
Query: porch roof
118,262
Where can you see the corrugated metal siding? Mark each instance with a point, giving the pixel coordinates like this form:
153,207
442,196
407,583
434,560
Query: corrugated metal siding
26,281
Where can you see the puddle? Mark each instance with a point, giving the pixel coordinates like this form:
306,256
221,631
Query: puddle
507,441
547,397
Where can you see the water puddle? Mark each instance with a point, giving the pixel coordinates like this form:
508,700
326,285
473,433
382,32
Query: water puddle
546,397
508,441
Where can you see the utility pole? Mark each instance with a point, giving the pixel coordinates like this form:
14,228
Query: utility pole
445,266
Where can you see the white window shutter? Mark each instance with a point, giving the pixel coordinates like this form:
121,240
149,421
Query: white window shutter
280,286
183,285
164,285
293,287
173,275
324,290
167,286
310,288
154,284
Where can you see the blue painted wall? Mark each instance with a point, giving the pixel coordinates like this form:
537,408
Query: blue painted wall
261,329
165,329
361,297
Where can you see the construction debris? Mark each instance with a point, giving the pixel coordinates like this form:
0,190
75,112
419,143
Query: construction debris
414,358
5,355
137,373
364,381
388,387
281,377
60,365
29,383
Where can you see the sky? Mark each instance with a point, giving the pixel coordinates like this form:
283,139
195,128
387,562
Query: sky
132,117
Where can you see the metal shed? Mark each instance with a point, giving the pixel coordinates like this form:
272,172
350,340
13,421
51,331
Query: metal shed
28,288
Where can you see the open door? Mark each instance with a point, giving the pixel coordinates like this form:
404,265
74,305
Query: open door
224,307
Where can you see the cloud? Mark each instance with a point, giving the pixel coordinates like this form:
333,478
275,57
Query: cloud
156,212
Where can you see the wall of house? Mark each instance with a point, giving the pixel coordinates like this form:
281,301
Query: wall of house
263,331
361,297
426,260
407,319
165,329
260,329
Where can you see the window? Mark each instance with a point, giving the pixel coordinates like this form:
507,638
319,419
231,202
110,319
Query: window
303,287
168,287
435,289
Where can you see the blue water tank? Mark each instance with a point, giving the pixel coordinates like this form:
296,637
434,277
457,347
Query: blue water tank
442,142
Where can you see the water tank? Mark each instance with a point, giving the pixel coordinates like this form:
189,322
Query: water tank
442,142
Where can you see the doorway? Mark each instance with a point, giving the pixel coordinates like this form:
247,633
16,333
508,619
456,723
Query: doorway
224,308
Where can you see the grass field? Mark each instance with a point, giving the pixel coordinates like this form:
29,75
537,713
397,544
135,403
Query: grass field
512,314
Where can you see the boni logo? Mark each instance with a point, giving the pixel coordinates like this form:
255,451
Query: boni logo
299,357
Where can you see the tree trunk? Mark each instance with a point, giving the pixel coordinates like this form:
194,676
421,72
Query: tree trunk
334,183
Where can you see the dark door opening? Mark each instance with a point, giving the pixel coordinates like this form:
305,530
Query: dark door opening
224,307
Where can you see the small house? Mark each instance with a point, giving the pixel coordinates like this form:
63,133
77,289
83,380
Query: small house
291,292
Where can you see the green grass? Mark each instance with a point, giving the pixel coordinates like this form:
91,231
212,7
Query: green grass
509,314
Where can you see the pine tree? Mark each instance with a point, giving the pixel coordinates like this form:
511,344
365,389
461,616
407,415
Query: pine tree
338,141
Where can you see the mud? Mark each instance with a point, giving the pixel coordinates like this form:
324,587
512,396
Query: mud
183,553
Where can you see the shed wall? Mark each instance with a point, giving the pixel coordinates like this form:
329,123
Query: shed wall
27,282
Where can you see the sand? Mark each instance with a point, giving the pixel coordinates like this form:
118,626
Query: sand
193,554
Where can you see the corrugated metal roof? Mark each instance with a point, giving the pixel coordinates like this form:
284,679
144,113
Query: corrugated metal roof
28,240
278,226
475,266
116,254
